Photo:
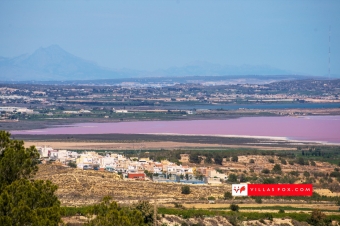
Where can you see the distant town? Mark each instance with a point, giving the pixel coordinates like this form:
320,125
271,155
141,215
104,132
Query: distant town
136,101
133,168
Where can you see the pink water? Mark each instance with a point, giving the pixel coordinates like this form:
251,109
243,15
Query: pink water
315,128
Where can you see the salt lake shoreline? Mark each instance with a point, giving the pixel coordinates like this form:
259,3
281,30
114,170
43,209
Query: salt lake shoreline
268,138
274,140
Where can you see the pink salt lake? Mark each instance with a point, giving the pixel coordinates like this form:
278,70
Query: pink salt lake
311,128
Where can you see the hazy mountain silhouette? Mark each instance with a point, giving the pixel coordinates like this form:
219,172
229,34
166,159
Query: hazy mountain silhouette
54,63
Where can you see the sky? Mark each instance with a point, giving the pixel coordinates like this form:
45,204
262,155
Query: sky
149,35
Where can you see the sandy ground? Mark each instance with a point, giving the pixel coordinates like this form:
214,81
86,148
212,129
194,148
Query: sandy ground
144,145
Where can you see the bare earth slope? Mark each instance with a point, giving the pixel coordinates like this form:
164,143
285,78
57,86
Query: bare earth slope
83,187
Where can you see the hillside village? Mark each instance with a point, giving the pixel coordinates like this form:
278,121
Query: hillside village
245,168
134,168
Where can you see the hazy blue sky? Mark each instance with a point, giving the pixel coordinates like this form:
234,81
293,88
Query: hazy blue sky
149,35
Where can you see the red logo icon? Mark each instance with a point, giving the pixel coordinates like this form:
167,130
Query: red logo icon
236,189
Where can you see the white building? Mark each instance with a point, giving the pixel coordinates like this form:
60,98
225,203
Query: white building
53,155
121,111
214,177
70,112
62,156
107,162
44,151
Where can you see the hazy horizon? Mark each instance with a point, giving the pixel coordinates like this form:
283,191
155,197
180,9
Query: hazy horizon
152,35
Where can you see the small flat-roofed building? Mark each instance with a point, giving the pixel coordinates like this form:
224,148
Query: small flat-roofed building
136,176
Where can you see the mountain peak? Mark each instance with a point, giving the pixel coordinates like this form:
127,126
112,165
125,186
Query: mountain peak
52,62
53,49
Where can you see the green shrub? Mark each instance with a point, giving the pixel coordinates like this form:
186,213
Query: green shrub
294,173
335,174
301,161
269,216
185,190
232,178
258,200
234,207
228,195
277,169
265,171
306,174
211,198
234,159
72,165
319,218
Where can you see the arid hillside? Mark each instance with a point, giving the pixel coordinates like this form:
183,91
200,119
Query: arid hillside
83,187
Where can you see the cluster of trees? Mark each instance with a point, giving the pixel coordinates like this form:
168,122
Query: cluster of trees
210,158
24,201
109,213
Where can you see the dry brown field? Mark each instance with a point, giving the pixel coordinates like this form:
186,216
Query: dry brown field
145,145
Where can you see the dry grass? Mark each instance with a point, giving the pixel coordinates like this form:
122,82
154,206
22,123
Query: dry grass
327,192
84,187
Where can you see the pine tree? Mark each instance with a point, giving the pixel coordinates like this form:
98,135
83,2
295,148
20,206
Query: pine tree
24,201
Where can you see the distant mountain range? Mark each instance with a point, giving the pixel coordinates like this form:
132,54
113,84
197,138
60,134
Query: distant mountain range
54,63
